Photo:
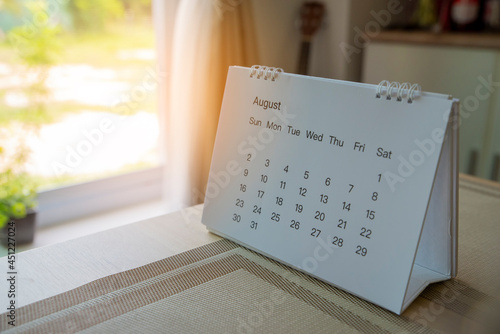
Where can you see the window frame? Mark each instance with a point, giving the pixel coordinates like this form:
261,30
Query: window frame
84,199
88,198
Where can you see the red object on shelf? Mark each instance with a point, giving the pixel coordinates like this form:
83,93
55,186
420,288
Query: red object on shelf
491,15
444,15
465,14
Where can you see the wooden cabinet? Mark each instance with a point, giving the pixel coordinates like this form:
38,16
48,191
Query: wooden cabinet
471,74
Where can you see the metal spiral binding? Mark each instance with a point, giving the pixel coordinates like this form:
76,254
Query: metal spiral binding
402,91
265,72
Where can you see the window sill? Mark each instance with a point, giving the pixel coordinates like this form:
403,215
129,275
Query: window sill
85,199
47,235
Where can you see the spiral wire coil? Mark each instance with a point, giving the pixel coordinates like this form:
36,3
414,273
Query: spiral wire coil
402,91
265,72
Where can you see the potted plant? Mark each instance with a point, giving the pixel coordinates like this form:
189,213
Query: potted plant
37,46
17,199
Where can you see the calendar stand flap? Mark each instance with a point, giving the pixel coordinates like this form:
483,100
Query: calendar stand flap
436,257
420,278
437,239
454,190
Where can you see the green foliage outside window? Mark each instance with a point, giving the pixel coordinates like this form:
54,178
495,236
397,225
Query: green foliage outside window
92,15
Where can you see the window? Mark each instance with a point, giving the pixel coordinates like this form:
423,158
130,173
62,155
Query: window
78,95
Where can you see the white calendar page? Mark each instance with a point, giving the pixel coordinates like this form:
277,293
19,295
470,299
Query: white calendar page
327,178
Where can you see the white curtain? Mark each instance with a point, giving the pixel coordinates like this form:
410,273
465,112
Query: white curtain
209,36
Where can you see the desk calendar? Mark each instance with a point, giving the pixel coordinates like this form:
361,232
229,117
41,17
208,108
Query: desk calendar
354,184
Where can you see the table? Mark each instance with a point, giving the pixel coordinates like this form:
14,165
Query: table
168,274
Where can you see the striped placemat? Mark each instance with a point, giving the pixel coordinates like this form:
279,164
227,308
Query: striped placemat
223,287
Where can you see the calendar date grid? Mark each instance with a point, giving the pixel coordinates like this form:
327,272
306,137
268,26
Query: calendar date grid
320,205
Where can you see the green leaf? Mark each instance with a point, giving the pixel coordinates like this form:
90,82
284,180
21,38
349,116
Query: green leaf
3,220
18,210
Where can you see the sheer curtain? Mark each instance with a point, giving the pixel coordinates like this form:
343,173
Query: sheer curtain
209,36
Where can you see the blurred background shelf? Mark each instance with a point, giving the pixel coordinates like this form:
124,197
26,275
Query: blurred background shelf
459,39
465,65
